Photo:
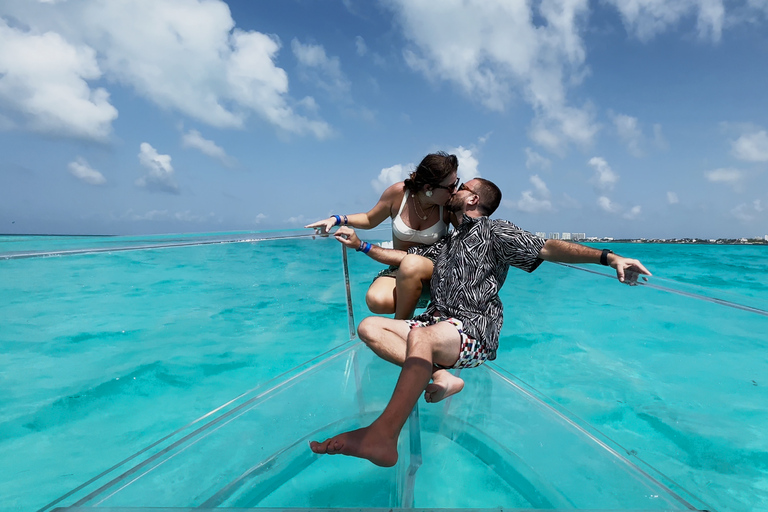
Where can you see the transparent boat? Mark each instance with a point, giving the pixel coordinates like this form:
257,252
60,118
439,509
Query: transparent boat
499,444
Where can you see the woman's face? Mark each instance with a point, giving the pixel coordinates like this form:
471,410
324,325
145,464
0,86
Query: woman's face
442,193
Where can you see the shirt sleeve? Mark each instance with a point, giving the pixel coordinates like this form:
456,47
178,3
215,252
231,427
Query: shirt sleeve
429,251
516,247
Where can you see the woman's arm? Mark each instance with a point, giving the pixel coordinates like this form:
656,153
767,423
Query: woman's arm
375,216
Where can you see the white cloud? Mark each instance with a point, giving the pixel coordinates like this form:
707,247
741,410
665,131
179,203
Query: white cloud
647,18
193,139
81,170
318,68
533,201
492,50
467,163
44,81
630,133
633,213
391,175
751,147
160,174
535,160
360,46
260,218
604,177
183,55
672,198
729,176
607,205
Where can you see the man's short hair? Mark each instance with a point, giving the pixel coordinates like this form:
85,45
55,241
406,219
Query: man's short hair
490,196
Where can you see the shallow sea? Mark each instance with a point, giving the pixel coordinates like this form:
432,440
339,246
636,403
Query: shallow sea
102,353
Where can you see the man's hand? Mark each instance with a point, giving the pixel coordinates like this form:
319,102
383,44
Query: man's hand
627,269
348,237
323,225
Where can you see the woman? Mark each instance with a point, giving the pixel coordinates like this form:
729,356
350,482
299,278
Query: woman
418,217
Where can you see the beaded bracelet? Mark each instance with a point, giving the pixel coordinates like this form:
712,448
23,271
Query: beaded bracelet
364,247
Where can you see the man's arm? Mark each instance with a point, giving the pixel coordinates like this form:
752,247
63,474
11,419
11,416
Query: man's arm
567,252
348,237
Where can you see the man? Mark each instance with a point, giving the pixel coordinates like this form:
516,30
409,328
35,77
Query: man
460,328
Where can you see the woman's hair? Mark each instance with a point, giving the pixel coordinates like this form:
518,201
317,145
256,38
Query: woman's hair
432,170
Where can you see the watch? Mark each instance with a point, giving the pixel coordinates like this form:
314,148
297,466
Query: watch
604,256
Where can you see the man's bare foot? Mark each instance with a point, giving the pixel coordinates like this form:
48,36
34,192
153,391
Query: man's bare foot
443,385
364,443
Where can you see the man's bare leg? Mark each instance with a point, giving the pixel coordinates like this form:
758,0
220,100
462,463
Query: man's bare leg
387,338
378,442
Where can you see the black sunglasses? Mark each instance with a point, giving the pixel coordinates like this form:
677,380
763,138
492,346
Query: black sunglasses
450,187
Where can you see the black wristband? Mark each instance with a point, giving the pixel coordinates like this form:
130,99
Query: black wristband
604,256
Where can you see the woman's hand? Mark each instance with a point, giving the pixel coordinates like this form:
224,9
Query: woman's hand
348,237
324,225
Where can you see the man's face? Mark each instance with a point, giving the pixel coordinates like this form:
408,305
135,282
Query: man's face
459,198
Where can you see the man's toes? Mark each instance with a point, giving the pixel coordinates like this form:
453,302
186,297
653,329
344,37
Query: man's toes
319,447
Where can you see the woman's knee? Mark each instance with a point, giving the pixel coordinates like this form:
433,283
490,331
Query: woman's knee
415,266
380,302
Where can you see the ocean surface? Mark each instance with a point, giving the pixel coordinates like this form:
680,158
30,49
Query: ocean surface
113,342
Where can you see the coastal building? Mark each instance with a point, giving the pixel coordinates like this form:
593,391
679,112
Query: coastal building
566,236
766,238
578,236
541,234
554,236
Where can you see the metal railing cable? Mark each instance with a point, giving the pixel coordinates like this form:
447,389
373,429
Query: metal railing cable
642,281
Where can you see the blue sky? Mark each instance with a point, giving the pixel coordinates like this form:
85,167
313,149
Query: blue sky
623,118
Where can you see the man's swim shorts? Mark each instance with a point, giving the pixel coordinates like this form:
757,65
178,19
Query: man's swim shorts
471,354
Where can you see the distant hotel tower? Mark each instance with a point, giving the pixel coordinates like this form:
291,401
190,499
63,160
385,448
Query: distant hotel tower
564,236
554,236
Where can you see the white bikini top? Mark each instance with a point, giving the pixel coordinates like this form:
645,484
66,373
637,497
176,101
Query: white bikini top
425,236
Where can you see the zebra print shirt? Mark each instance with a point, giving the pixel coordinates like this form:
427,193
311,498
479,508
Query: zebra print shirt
471,265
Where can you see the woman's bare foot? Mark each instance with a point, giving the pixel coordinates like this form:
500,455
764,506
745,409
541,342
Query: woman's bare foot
443,385
365,443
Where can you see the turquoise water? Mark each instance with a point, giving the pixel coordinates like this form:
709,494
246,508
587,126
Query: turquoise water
101,354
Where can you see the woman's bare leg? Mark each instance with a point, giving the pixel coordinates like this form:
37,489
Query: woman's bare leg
381,295
413,271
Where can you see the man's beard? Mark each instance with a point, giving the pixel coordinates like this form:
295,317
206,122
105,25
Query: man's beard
454,204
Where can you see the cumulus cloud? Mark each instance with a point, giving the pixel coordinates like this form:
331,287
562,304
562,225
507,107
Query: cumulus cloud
604,178
467,163
672,198
607,205
160,174
630,133
193,139
533,160
536,200
360,46
184,55
260,218
729,176
647,18
493,50
751,147
633,213
81,170
391,175
320,69
44,85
